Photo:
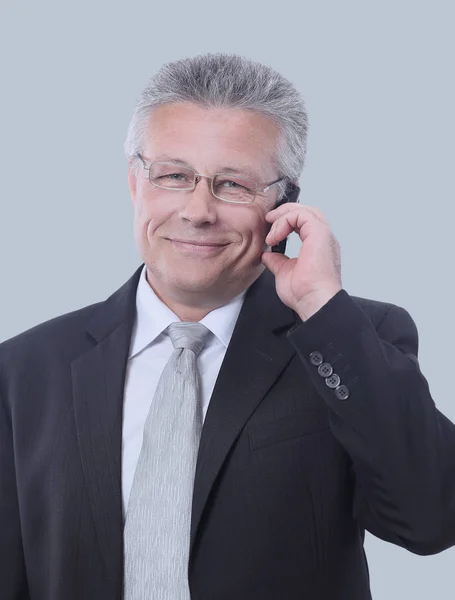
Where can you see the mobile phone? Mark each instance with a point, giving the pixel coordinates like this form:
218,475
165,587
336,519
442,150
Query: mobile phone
292,195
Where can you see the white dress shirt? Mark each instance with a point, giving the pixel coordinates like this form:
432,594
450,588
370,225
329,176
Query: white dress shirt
150,349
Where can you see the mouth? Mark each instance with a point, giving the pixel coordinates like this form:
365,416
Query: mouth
197,247
198,242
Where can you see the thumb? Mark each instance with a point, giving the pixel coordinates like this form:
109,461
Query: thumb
273,261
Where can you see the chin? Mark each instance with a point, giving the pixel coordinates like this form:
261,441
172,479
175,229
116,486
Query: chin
190,279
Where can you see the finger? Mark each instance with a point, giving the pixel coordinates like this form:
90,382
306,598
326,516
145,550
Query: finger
286,224
278,233
318,214
274,214
274,261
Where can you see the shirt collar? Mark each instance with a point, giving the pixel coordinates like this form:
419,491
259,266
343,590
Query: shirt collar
153,317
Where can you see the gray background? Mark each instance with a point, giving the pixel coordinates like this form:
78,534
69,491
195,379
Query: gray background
377,79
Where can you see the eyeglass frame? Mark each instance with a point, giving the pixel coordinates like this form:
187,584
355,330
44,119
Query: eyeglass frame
197,178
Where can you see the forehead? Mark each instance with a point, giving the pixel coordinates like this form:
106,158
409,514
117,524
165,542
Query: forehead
209,138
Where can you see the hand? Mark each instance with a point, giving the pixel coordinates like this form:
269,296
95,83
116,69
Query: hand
307,282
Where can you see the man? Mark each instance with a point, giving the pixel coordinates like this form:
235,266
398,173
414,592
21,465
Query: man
228,423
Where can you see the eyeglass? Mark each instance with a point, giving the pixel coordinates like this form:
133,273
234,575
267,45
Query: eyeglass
228,187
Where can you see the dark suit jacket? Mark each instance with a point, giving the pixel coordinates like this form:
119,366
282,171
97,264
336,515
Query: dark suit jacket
289,475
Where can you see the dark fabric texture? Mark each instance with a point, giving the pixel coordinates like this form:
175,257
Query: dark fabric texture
288,476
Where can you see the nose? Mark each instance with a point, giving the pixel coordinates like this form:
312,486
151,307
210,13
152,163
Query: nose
199,206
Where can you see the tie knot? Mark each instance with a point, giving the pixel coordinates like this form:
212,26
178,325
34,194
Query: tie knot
187,335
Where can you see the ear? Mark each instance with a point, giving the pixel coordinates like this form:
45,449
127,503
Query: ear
132,180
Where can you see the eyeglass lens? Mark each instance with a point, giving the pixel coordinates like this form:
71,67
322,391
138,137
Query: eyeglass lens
232,188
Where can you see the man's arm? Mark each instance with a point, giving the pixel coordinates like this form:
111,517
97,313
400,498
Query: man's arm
401,446
13,581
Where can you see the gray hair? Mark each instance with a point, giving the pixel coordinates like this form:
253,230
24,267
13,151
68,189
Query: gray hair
230,81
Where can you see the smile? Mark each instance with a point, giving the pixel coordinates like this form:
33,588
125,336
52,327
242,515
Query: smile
197,248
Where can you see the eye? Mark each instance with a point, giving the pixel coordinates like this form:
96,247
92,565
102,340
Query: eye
175,177
233,184
171,176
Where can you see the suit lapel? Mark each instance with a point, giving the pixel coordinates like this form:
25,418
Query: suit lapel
257,354
98,378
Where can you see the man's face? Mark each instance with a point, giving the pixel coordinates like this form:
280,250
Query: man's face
165,221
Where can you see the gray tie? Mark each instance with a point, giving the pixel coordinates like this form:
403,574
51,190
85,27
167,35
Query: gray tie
157,526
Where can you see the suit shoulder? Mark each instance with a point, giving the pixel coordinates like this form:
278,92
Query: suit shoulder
370,303
378,310
52,332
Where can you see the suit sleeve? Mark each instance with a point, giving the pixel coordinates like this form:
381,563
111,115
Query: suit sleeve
13,582
402,448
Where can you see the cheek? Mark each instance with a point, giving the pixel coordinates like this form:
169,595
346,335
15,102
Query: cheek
255,227
149,214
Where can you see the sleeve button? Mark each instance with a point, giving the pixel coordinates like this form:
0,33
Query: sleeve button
325,370
342,392
333,381
316,358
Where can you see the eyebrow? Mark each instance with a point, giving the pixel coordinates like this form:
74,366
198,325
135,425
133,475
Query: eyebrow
226,169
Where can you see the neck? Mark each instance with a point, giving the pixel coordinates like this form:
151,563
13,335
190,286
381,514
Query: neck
193,307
